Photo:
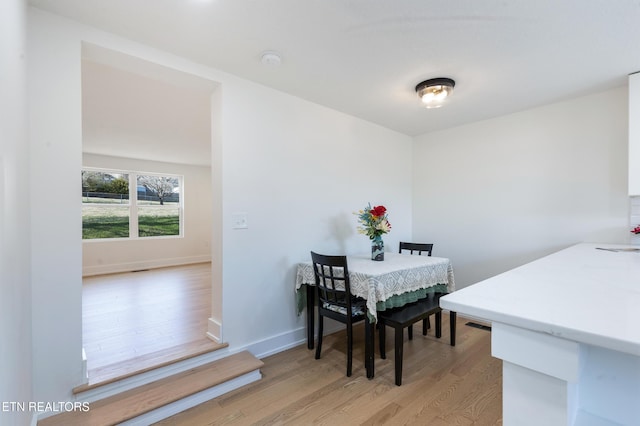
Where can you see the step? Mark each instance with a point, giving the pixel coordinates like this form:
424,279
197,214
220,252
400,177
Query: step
143,400
111,373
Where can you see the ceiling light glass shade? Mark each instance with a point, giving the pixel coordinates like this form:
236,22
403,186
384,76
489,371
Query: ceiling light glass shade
435,91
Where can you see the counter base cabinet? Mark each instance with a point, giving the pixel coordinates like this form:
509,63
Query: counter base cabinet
566,328
549,380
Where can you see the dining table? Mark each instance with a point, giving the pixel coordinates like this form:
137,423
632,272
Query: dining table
396,281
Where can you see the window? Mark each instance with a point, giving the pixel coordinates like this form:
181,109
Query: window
158,205
118,204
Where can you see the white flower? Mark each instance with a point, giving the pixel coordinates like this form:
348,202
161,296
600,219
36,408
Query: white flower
383,226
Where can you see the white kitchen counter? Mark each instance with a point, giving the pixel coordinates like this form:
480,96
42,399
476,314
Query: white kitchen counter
567,327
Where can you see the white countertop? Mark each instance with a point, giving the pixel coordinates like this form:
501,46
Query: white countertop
581,293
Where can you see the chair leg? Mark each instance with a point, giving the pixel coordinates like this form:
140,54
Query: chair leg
452,326
398,355
439,324
382,337
349,348
410,332
425,326
320,327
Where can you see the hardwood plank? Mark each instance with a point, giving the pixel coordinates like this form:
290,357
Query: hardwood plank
384,415
442,385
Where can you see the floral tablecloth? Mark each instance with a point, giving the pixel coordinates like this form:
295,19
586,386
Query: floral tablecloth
396,281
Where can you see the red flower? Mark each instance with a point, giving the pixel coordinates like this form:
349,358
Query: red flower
636,230
378,211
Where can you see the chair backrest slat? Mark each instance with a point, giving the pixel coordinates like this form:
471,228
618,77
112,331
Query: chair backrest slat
419,247
332,280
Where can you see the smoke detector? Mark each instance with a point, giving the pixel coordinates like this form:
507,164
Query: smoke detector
270,58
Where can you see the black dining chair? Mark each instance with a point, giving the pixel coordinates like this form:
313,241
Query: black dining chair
335,301
419,248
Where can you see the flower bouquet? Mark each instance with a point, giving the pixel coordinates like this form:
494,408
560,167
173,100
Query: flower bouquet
374,223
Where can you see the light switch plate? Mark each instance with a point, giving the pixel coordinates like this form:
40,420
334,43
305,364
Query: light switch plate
239,221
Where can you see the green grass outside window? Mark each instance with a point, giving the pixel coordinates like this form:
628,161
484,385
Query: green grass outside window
95,227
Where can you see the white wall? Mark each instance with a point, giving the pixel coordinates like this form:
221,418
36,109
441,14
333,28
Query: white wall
56,252
100,257
15,283
499,193
297,169
634,218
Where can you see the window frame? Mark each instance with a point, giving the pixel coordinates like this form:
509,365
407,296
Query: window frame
133,205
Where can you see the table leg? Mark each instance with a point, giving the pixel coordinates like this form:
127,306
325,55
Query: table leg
368,347
452,325
310,290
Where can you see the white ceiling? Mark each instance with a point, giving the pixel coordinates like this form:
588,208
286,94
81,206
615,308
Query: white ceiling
143,111
364,57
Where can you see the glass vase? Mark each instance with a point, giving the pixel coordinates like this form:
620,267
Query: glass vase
377,248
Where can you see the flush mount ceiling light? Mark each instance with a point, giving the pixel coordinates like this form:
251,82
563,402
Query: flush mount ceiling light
433,92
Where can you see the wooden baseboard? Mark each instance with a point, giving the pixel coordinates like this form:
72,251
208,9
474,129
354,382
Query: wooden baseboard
89,271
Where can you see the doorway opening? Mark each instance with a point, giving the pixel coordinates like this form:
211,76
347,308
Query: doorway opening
143,117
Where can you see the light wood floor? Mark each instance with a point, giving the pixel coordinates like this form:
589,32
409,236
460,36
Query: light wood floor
442,385
135,320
